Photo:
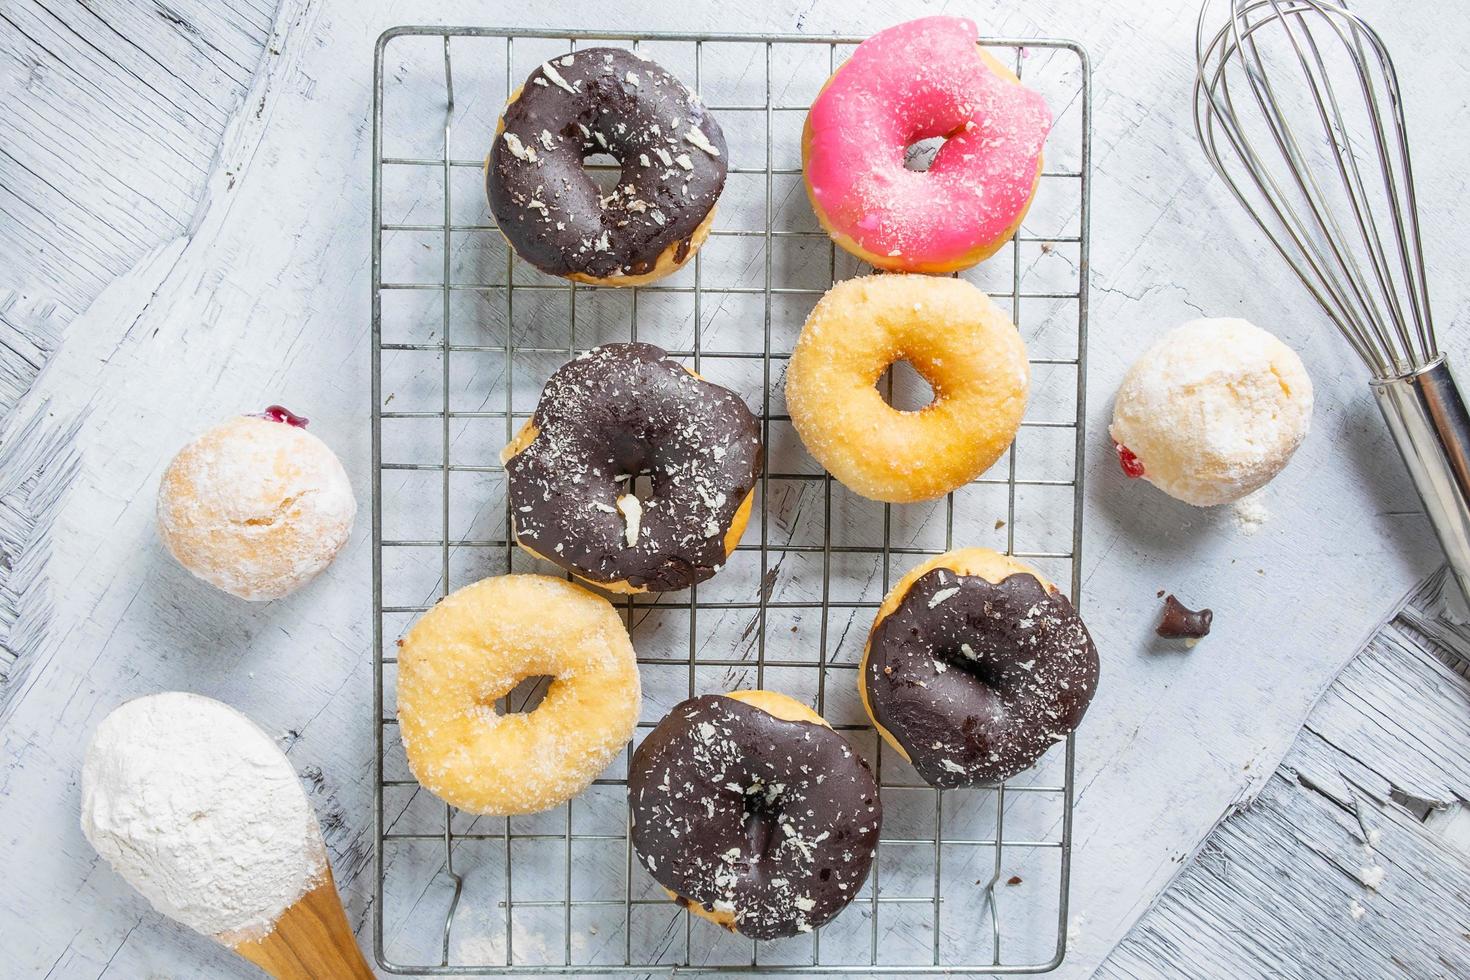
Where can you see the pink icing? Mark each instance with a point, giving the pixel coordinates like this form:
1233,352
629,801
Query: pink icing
908,83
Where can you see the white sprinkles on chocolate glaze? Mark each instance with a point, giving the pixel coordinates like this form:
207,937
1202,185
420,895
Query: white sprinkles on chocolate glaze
616,413
977,679
604,100
770,821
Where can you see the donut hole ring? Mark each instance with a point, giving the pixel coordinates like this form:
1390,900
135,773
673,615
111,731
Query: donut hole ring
607,419
955,337
595,103
750,811
479,645
904,389
975,665
917,82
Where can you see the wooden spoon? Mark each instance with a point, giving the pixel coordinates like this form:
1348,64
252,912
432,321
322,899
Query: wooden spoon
311,941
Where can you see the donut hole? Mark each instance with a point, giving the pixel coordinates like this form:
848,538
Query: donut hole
638,484
526,696
919,155
604,170
982,669
904,388
763,810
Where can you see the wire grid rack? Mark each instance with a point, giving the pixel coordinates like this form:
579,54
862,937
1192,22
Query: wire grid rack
558,892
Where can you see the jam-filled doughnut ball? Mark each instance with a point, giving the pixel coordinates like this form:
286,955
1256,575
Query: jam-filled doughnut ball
1212,411
955,337
257,506
974,667
607,418
605,101
912,82
753,813
473,648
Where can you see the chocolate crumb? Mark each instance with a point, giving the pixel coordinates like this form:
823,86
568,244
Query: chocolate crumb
1179,620
1160,593
999,523
1013,880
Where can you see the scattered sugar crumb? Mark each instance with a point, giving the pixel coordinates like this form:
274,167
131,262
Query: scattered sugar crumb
1372,876
1356,910
1250,513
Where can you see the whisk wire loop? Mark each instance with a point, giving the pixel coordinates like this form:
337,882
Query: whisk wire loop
1365,268
1298,108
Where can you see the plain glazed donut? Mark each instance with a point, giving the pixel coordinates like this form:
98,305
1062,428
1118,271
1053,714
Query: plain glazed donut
753,813
955,337
974,667
672,156
607,417
473,648
912,82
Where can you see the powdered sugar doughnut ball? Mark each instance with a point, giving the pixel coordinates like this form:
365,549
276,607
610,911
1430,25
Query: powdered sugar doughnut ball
257,506
1212,411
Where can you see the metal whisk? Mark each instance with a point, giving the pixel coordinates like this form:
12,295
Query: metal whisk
1297,105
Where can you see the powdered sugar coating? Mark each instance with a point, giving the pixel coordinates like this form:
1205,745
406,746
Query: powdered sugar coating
1213,410
255,508
917,80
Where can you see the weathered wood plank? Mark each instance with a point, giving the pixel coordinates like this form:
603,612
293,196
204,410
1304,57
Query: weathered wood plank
1373,788
111,114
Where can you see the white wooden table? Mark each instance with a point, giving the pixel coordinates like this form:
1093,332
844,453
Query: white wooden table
184,234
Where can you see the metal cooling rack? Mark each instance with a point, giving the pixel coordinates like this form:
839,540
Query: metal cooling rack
559,892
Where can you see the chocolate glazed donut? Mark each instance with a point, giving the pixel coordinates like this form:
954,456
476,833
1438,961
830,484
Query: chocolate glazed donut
753,813
605,100
607,417
975,667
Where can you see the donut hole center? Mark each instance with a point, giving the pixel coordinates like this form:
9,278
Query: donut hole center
526,696
981,667
604,170
763,808
904,388
639,484
919,155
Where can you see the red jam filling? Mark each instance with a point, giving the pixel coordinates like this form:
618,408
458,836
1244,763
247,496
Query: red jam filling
1132,467
279,413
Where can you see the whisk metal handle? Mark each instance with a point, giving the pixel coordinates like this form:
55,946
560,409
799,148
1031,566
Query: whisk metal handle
1430,425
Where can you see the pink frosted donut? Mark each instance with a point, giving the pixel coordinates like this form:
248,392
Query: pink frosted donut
918,80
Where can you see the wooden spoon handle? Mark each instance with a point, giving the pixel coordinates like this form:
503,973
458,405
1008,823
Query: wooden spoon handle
312,941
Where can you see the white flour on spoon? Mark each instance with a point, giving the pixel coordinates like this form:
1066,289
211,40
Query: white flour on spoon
200,811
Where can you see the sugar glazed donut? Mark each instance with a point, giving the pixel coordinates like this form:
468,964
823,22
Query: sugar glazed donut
473,648
672,154
257,506
912,82
975,666
607,417
955,337
753,813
